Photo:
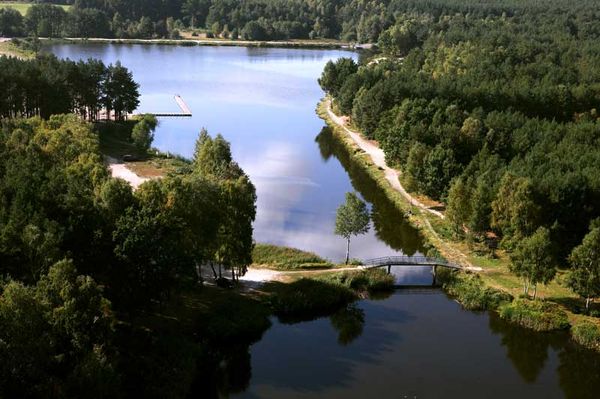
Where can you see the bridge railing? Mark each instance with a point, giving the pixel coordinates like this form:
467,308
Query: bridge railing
408,261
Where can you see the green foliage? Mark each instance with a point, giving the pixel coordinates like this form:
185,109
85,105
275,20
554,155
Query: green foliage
142,134
46,86
306,299
367,281
584,278
533,260
335,74
587,334
352,218
535,314
471,292
285,258
57,332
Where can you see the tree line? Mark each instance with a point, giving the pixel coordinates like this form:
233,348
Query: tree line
355,20
82,257
493,112
47,86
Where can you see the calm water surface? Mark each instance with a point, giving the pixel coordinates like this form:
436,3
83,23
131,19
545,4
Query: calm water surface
415,343
263,101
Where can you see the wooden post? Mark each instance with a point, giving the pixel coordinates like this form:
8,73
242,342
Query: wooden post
434,272
389,269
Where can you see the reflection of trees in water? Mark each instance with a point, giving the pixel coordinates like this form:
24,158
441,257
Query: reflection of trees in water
390,224
579,372
526,349
349,323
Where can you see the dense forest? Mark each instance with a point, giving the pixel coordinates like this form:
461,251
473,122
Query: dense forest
493,113
82,257
355,20
47,86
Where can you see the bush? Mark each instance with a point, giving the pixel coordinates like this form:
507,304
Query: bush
587,334
535,314
371,281
306,299
285,258
470,290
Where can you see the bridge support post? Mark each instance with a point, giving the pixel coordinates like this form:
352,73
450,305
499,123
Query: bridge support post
434,272
389,269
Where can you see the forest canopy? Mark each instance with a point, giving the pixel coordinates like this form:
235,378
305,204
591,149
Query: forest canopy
491,109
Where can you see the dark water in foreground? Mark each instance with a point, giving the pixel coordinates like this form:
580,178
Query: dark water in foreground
415,343
418,343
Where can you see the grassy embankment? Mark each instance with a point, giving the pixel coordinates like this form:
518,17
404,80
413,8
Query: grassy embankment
496,281
276,257
23,7
8,48
115,141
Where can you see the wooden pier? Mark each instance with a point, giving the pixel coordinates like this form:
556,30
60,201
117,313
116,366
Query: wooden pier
186,112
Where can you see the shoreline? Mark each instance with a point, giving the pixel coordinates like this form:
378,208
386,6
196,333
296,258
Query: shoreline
494,272
306,43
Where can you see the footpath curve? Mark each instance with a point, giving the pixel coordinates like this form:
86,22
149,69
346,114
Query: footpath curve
378,157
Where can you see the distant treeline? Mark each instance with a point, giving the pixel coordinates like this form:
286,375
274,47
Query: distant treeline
354,20
494,114
47,86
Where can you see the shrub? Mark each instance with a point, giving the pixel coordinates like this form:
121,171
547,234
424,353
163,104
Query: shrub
587,334
535,314
371,281
306,299
471,292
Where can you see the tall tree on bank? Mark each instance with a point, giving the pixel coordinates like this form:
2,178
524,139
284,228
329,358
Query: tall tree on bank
533,260
352,218
584,279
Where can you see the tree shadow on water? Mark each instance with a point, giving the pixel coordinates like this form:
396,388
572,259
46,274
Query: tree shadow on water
526,349
391,226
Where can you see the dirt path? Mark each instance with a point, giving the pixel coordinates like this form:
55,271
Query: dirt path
261,275
121,171
378,158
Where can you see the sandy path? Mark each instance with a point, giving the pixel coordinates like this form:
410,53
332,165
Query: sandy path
120,170
378,158
262,275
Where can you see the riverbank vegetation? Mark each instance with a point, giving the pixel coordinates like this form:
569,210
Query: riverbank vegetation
286,258
478,118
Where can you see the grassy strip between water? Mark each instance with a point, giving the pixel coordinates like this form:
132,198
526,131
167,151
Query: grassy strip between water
286,258
495,285
537,315
587,334
307,298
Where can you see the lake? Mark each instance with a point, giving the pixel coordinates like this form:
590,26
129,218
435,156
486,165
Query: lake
263,101
416,343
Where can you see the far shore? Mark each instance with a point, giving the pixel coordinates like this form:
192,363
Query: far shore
319,44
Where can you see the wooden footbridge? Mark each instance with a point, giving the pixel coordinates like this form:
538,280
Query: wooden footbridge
410,261
186,112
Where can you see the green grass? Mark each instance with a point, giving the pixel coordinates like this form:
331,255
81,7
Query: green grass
537,315
471,292
286,258
364,281
587,334
115,141
23,7
10,49
306,299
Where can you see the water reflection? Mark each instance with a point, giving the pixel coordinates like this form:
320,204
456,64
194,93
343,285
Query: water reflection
349,323
389,223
